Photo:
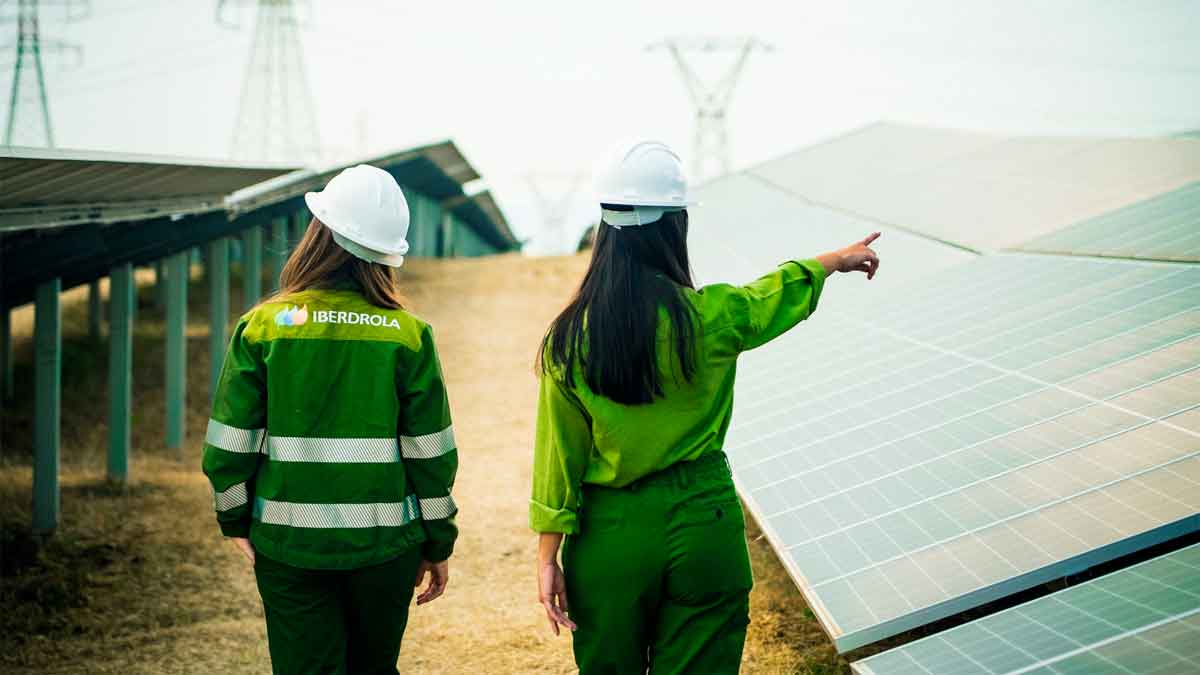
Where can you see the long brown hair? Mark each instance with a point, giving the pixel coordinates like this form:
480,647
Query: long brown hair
318,262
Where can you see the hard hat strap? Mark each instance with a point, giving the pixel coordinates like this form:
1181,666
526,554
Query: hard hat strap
640,215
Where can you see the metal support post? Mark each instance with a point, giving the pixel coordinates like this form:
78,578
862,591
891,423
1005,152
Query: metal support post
218,303
251,266
6,354
160,284
176,347
447,235
47,337
95,310
299,226
120,370
276,250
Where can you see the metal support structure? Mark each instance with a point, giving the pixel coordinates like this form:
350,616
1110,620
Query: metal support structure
218,303
47,415
710,145
95,311
276,114
176,348
6,355
277,249
252,245
120,370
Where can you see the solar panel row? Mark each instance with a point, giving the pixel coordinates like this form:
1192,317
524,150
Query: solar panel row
1166,227
1143,619
1020,418
986,191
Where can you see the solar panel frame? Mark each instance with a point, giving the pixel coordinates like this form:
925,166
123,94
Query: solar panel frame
1074,625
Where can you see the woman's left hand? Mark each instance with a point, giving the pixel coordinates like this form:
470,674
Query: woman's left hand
552,592
439,576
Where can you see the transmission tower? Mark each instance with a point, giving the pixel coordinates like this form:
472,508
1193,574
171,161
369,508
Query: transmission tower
710,144
28,121
276,117
555,206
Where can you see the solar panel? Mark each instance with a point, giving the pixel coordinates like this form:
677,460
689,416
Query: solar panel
1143,619
931,447
745,225
986,191
1166,227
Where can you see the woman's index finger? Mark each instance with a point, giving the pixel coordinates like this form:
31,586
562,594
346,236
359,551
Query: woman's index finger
870,238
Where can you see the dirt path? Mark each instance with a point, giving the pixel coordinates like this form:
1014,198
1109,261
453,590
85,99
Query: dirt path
488,316
141,582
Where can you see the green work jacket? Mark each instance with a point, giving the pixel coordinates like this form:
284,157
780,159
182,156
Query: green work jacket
583,437
330,444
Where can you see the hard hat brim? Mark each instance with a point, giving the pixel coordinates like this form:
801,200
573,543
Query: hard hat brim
364,253
341,231
625,201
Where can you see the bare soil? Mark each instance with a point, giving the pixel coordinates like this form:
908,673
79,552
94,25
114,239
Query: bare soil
139,580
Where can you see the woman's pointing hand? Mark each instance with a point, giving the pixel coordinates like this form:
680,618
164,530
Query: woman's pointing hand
857,257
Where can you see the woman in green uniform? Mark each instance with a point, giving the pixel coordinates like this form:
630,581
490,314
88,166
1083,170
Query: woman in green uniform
330,449
636,395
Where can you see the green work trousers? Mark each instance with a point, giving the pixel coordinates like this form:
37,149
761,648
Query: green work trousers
336,621
658,577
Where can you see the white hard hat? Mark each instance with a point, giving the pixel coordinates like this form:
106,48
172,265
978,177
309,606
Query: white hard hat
366,210
646,175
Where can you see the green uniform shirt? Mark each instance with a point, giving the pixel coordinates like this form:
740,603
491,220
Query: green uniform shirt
583,437
330,442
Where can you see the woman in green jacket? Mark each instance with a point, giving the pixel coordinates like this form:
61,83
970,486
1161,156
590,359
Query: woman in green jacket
330,449
636,395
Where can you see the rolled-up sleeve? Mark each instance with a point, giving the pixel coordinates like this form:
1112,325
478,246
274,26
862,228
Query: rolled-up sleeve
561,450
774,303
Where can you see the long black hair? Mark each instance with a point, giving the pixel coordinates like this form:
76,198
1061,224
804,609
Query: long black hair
610,329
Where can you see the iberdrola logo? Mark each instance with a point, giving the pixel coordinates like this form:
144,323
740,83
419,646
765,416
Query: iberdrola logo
292,316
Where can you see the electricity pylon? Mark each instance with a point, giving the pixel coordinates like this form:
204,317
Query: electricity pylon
710,144
28,121
276,117
555,206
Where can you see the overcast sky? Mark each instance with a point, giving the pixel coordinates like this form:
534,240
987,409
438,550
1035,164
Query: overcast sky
532,86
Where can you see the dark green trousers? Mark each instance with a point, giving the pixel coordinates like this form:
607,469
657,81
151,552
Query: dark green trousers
658,577
343,622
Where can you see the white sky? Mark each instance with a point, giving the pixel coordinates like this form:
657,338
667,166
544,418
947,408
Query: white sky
533,86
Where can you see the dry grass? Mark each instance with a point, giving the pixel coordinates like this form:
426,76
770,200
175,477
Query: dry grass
139,581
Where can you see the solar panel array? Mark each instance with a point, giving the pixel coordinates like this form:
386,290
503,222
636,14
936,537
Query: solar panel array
966,427
1166,227
1013,420
1144,619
